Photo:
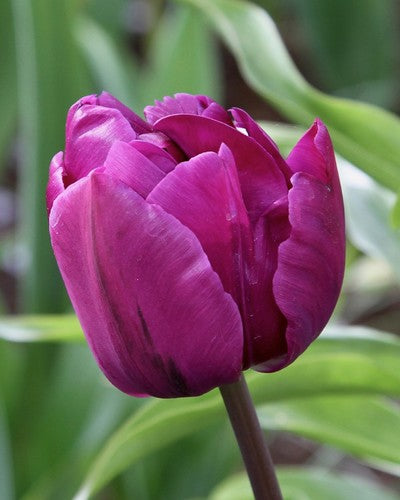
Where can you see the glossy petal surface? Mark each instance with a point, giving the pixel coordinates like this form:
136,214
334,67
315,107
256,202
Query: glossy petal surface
186,104
157,155
155,314
126,163
138,124
204,194
244,120
55,185
311,262
266,323
260,178
91,130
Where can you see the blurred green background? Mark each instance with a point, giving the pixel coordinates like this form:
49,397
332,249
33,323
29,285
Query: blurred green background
56,410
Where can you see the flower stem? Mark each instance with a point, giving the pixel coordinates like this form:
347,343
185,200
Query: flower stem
250,438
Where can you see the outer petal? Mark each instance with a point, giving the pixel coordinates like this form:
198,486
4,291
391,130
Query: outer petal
55,185
186,104
126,163
90,132
261,180
311,262
314,154
204,194
153,310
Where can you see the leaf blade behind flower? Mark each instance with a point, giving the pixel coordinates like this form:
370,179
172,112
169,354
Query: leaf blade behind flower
370,357
364,134
312,483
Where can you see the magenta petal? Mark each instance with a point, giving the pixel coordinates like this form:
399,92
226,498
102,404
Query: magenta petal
89,135
161,141
204,195
261,180
55,185
244,120
186,104
138,124
157,155
154,312
126,163
314,154
266,323
310,263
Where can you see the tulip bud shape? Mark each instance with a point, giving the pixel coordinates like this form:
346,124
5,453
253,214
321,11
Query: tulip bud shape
190,248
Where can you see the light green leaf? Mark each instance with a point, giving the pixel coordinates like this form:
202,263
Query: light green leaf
395,216
50,328
113,70
182,57
351,361
368,209
364,134
50,77
360,425
307,483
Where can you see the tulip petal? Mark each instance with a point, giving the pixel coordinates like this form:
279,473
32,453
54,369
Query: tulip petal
200,105
204,194
161,141
90,133
261,180
126,163
157,155
138,124
314,154
55,185
265,322
153,310
310,263
244,120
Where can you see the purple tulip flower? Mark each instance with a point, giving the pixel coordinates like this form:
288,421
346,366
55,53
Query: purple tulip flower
191,250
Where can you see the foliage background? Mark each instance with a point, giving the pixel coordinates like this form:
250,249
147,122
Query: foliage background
333,416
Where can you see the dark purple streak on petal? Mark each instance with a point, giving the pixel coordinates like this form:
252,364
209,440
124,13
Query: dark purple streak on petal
154,312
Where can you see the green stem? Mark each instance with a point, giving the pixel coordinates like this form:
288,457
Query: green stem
251,440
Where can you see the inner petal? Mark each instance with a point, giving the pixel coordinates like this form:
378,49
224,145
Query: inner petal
128,164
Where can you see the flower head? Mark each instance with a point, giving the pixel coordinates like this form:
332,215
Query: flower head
190,248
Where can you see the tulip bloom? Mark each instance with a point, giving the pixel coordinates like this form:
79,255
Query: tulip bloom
191,250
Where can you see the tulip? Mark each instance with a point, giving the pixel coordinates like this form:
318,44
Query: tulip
190,248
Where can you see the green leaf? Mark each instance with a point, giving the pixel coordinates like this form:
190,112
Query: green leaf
182,57
113,70
335,35
368,209
345,361
307,483
50,77
8,94
360,425
50,328
395,215
364,134
6,476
